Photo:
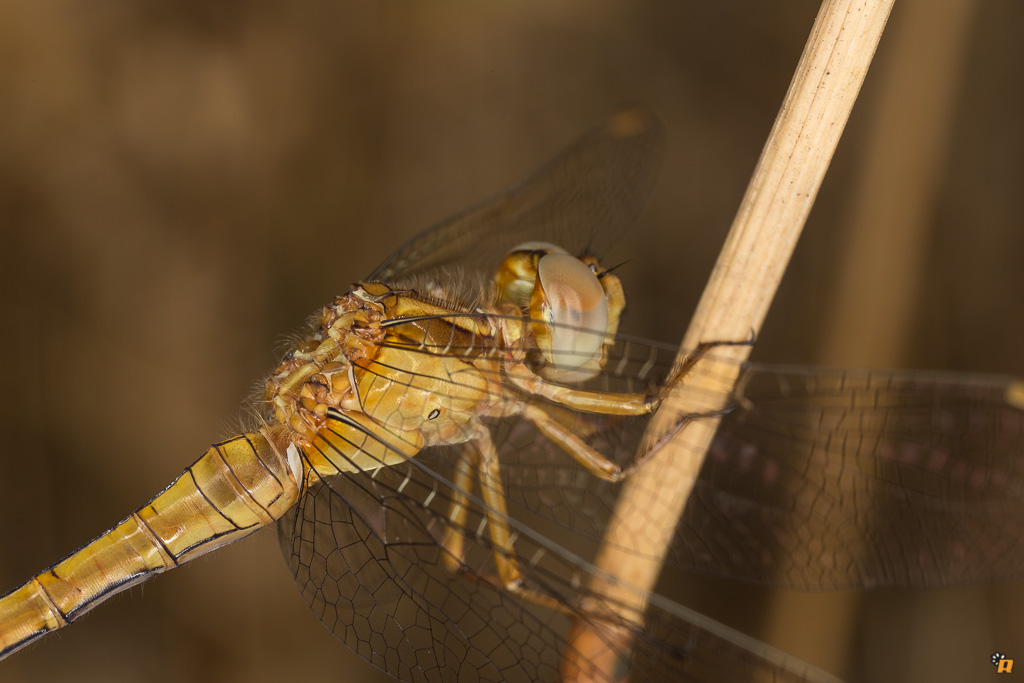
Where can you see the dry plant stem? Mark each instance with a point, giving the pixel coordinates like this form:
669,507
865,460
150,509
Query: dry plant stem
879,278
739,292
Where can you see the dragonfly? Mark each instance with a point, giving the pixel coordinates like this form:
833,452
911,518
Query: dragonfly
442,448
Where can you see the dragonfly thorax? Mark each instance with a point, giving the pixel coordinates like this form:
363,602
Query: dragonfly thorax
362,357
316,374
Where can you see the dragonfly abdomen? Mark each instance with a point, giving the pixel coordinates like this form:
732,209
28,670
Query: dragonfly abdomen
235,488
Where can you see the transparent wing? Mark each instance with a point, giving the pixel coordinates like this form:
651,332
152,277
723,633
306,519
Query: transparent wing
824,479
584,198
367,554
817,479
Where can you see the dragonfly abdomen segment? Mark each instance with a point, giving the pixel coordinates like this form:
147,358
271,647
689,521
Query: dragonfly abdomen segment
235,488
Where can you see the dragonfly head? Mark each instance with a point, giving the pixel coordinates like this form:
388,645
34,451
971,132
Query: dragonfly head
517,276
569,311
574,304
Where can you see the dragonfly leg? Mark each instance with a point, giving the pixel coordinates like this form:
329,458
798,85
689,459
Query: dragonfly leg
454,539
606,403
609,403
598,465
698,353
481,454
493,493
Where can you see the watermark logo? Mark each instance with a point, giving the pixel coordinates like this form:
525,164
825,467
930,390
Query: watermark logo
1003,664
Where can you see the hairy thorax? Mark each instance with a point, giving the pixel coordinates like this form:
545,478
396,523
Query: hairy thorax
411,365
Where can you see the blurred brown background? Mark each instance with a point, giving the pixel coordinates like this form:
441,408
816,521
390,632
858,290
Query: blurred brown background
181,186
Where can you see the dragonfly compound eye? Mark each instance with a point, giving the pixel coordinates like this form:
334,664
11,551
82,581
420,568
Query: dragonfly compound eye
569,311
517,275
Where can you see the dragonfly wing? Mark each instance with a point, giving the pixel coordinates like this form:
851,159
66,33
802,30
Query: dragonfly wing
367,554
825,479
805,462
584,198
817,479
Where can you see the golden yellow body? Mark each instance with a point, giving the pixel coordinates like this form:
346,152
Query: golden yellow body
235,488
383,374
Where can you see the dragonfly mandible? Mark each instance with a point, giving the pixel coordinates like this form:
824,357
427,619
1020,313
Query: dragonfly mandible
442,448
